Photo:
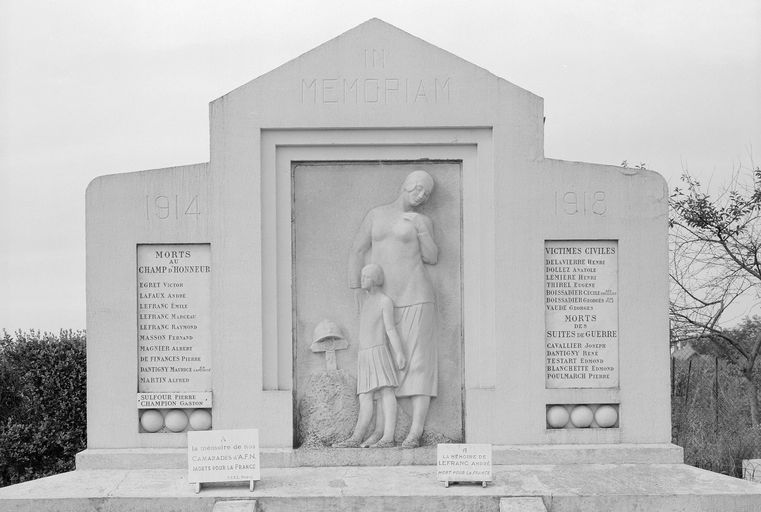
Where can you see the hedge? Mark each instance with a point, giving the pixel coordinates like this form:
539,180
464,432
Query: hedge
43,402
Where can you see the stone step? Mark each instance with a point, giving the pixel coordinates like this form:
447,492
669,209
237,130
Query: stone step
235,506
522,504
559,488
177,458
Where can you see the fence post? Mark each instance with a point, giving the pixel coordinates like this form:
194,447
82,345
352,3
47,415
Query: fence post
689,374
716,396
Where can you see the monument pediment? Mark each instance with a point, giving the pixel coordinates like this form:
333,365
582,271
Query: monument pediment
376,70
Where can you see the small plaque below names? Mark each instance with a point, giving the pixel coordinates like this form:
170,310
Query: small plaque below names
173,318
581,313
183,400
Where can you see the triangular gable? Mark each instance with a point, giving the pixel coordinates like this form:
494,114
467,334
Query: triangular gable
375,62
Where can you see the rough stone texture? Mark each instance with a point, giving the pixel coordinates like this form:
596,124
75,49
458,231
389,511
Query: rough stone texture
566,488
235,506
328,409
328,412
522,505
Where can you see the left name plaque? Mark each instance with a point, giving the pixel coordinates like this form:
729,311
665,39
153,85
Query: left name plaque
173,321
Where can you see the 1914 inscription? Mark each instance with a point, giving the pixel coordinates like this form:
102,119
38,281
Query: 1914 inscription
173,317
581,313
165,207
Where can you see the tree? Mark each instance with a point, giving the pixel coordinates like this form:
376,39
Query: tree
715,243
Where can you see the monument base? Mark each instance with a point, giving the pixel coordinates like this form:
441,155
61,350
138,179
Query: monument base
176,458
553,488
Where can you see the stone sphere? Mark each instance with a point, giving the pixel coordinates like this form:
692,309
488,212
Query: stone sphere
200,419
581,416
557,416
176,420
151,420
606,416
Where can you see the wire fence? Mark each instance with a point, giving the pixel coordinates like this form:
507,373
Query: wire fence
711,416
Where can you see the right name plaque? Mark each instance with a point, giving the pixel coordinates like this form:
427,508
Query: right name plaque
581,313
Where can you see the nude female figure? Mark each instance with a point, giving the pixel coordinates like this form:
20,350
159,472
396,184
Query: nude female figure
400,240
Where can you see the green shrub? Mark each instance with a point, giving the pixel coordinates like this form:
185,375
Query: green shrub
42,403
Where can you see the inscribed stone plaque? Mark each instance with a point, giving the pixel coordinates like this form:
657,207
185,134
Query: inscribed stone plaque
581,313
223,455
173,317
183,400
463,463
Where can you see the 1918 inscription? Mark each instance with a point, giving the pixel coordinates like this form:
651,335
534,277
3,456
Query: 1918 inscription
583,203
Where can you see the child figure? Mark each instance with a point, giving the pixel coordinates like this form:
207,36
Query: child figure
375,367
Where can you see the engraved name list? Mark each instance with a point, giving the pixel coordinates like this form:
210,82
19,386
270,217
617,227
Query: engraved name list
581,313
173,318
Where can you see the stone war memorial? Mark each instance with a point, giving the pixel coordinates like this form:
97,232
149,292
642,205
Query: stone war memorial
378,260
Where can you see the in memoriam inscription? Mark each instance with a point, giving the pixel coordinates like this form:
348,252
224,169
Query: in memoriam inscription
377,87
173,317
382,90
581,313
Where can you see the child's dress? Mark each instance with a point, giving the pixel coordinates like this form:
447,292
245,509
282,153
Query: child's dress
375,368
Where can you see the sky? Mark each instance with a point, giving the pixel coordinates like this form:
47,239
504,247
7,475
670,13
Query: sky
98,87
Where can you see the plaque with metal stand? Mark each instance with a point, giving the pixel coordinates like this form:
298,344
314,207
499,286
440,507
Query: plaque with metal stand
251,486
447,483
464,463
223,456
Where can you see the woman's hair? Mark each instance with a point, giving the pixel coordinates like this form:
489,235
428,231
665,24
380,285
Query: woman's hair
416,177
